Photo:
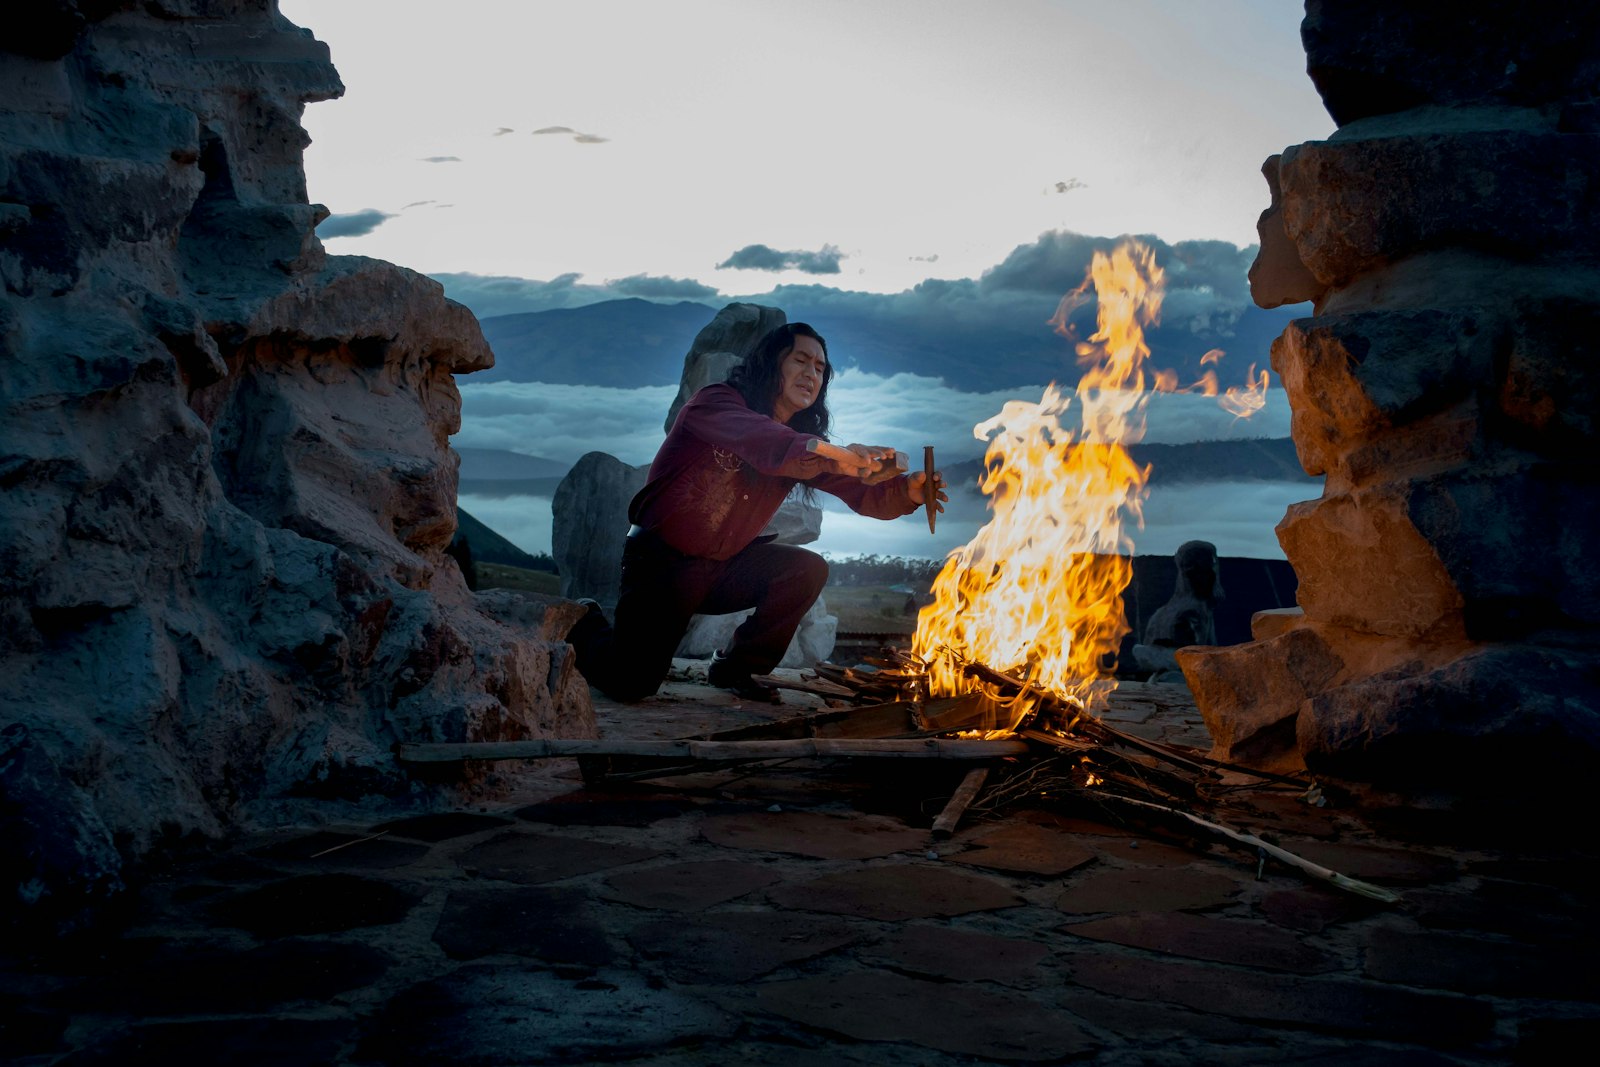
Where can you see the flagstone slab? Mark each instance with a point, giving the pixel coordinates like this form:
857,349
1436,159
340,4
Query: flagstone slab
1375,863
585,808
489,1016
1520,910
1146,1021
210,978
1071,824
901,891
1146,852
442,826
233,1042
1148,889
315,904
1311,909
692,886
550,924
531,859
1479,965
736,946
949,1017
1248,944
960,955
1026,849
1341,1005
807,833
30,1030
1287,813
329,848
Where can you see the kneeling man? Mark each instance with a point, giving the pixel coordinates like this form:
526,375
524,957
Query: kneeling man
732,455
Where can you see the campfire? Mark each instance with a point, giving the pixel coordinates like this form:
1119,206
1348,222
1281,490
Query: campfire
1037,593
1016,655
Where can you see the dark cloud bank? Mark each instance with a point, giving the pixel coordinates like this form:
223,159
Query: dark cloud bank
760,257
354,224
980,334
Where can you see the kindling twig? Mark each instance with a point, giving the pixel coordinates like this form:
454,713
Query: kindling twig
1283,855
347,844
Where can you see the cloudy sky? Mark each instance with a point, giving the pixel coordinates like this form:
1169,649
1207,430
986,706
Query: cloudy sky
741,144
925,177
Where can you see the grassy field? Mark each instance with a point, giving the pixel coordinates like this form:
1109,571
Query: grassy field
869,607
859,607
499,576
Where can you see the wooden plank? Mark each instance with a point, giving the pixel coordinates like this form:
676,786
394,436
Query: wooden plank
786,748
960,800
874,720
820,686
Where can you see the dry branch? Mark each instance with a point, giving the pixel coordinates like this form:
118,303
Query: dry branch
1283,855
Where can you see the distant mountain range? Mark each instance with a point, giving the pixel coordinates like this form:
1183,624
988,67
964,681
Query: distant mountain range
498,473
630,343
490,547
622,343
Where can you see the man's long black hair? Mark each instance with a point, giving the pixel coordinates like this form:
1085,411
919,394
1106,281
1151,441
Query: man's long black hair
758,378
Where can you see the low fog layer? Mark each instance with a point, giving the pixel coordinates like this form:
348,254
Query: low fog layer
906,411
563,422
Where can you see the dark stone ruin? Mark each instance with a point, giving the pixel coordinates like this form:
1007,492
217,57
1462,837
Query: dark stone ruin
1446,386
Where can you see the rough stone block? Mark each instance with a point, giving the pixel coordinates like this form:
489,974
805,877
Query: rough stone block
1363,564
1372,57
1505,189
1509,717
1250,694
1277,276
1349,377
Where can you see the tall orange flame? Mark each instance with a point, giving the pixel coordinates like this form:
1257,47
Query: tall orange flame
1038,590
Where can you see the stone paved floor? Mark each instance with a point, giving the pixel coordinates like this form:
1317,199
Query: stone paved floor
799,914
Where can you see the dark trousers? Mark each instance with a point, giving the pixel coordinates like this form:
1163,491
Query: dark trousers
662,588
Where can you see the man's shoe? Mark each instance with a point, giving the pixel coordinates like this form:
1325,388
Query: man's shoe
592,623
725,674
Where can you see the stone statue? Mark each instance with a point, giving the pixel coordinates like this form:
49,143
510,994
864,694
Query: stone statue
1186,619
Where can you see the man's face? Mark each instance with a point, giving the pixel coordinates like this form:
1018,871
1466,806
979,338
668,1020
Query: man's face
800,378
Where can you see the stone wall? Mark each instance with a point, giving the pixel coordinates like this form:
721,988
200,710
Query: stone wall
1446,386
227,485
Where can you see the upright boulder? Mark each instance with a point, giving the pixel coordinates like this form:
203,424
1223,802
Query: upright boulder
227,482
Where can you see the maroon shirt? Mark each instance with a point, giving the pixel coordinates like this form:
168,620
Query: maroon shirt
724,469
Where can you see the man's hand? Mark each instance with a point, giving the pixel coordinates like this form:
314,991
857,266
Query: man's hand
870,463
914,483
